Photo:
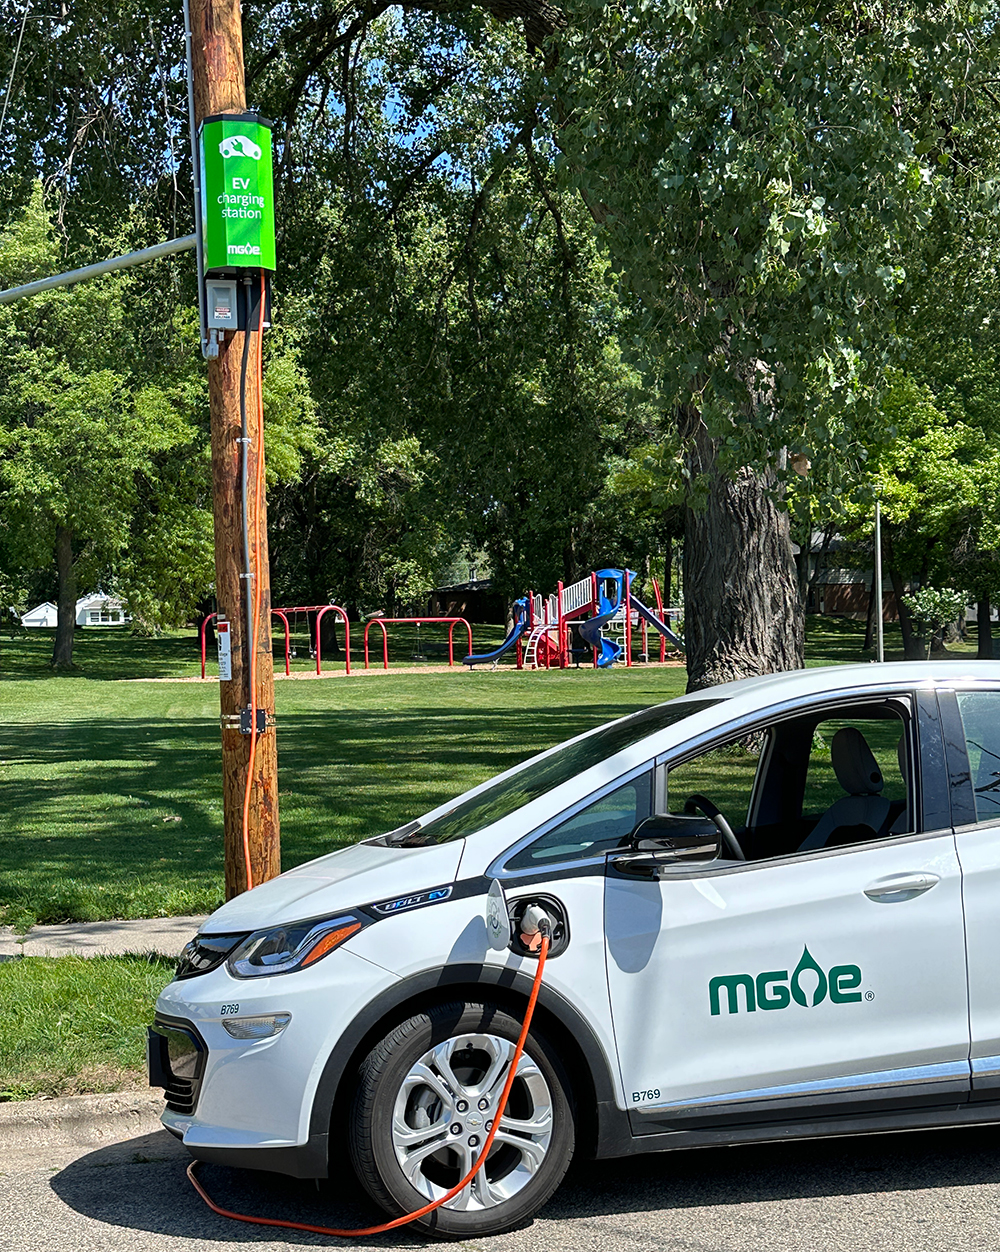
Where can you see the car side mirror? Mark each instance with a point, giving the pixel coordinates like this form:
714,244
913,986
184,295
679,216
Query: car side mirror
669,840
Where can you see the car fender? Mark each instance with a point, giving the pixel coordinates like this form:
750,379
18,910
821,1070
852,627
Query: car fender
606,1123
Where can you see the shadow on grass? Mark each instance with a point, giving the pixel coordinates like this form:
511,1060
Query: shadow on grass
104,654
125,818
840,641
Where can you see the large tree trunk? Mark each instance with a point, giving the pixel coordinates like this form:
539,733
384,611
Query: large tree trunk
870,618
985,629
62,653
742,613
914,645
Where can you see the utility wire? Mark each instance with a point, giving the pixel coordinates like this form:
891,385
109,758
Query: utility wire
17,53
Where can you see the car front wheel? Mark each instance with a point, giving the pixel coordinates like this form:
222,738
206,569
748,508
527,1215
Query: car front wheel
424,1105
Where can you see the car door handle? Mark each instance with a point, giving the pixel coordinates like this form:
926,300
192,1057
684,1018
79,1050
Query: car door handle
898,887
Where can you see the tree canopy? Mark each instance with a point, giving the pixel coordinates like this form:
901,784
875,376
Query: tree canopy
555,282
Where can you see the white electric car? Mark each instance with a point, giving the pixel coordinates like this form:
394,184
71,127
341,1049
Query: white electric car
776,914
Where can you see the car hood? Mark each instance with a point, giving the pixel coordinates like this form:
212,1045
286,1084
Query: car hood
362,874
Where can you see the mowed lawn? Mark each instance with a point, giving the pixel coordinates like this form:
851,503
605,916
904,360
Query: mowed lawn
112,803
111,792
73,1025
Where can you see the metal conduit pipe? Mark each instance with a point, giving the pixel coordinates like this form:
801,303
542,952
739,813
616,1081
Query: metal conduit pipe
168,248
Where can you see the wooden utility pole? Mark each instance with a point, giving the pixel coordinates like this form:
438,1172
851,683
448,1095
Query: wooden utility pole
219,87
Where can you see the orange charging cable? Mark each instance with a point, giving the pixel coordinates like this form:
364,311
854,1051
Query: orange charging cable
435,1204
255,549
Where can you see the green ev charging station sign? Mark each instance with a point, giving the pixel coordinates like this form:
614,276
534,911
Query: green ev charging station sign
237,189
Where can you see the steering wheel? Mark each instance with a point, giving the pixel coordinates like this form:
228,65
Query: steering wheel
699,802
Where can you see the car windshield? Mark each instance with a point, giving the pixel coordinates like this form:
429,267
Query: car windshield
506,795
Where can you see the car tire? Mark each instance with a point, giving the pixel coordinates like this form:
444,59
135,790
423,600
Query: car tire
421,1113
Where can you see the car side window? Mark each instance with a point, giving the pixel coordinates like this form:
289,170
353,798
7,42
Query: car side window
839,765
981,719
592,830
817,780
724,774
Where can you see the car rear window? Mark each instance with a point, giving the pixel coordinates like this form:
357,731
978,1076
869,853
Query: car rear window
507,795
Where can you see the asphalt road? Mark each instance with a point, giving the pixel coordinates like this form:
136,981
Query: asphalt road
892,1193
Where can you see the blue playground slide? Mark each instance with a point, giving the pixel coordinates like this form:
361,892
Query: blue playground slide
590,631
520,622
655,622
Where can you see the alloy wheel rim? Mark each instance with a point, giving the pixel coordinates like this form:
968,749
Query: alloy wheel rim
444,1110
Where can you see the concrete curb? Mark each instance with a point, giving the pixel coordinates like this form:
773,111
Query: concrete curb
78,1121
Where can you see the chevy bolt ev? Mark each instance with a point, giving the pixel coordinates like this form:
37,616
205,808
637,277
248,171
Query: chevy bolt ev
775,911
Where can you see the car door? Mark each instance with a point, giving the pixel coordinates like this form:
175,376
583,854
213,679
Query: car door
971,721
818,982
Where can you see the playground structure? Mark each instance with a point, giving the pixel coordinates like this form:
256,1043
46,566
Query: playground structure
593,618
600,609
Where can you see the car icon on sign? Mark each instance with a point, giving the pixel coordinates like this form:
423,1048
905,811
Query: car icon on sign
239,146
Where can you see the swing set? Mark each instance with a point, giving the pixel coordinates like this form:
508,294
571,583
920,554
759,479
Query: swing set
312,615
313,647
382,622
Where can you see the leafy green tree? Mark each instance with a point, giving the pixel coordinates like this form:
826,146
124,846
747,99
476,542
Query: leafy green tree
104,464
459,315
932,608
938,481
80,434
760,176
763,179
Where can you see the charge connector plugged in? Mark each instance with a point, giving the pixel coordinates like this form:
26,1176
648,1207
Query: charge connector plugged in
535,922
531,917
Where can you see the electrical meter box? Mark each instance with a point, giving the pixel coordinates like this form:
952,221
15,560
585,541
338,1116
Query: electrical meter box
223,304
237,188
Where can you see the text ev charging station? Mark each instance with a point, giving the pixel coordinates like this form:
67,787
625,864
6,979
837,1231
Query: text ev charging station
237,217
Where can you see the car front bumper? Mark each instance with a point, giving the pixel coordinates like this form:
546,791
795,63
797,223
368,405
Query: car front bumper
251,1103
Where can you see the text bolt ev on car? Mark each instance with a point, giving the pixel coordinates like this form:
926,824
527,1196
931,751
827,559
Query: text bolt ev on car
775,909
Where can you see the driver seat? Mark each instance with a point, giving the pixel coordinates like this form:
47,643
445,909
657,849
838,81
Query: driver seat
858,773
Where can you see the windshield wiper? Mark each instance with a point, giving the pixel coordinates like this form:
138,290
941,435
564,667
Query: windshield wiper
401,837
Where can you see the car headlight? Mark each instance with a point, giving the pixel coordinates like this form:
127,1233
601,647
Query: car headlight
282,949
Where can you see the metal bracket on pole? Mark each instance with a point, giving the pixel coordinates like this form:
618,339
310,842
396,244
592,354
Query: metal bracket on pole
241,721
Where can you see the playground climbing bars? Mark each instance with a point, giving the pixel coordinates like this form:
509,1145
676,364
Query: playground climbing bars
319,609
451,622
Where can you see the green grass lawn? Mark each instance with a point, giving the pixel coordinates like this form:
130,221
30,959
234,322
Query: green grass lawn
73,1025
113,810
112,797
112,802
838,641
113,653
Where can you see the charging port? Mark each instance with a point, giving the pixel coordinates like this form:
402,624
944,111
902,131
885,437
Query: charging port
526,916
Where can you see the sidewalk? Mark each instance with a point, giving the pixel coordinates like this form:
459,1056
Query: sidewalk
163,935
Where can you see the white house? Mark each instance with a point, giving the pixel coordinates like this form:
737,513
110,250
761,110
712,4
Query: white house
100,610
97,609
42,615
